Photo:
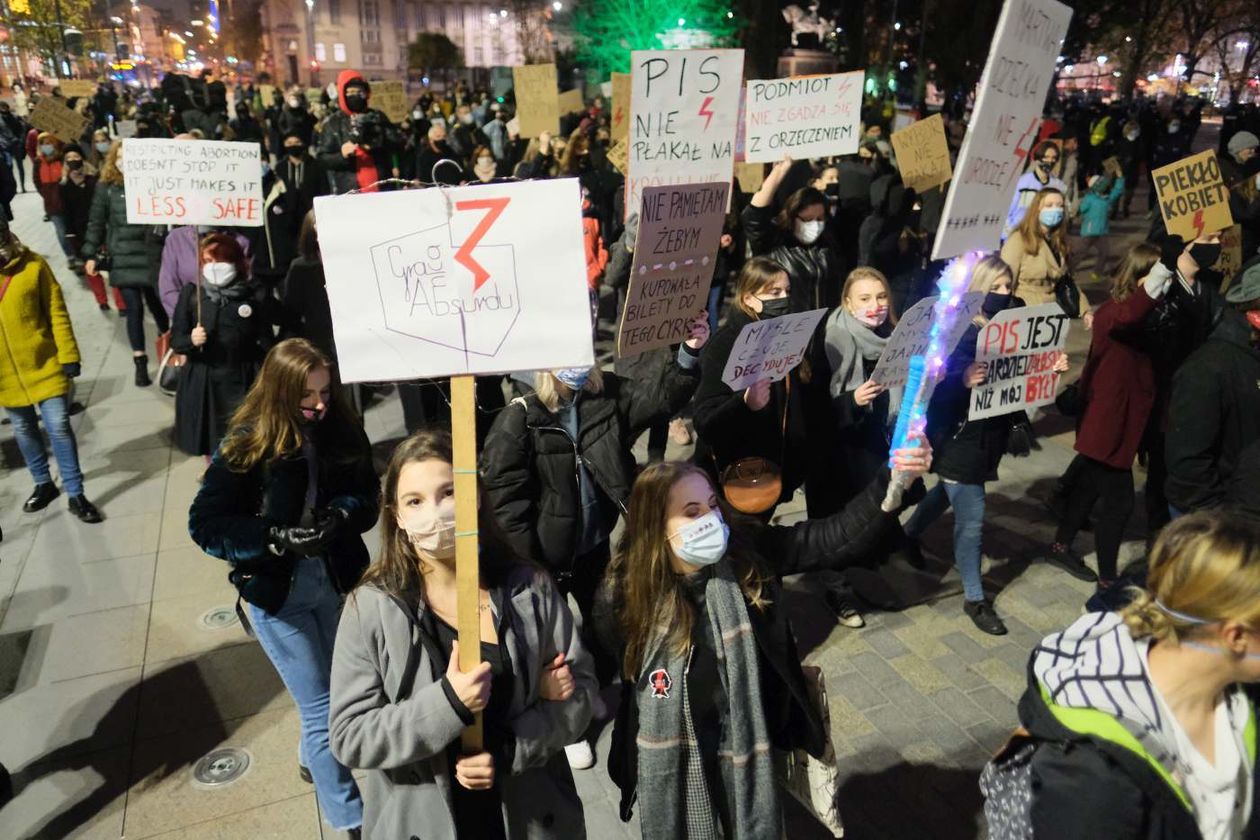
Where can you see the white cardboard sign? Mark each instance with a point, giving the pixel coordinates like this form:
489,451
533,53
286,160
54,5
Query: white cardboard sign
684,107
805,117
1003,127
442,282
913,333
192,182
770,349
1020,346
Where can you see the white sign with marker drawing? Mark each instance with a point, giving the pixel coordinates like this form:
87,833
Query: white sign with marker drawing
770,349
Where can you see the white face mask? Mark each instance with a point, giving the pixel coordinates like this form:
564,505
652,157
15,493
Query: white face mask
432,532
701,542
218,274
808,232
294,102
873,317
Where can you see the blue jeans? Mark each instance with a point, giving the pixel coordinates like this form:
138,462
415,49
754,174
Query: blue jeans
59,225
716,292
299,642
64,447
968,503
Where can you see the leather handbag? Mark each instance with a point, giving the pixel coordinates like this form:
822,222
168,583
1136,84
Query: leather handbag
752,485
1068,296
170,364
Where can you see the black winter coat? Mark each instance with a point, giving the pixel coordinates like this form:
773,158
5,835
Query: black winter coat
338,130
233,511
529,462
135,251
814,270
843,539
305,301
76,207
1214,416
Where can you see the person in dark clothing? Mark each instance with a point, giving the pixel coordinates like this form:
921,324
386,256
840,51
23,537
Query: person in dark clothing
294,118
304,296
357,144
247,129
1169,146
693,608
289,192
14,144
1131,152
78,185
435,162
224,326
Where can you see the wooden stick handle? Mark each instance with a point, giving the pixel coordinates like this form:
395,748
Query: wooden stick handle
467,562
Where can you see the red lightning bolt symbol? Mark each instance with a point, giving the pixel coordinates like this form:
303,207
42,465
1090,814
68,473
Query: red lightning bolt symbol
1198,224
1020,151
617,117
706,113
463,256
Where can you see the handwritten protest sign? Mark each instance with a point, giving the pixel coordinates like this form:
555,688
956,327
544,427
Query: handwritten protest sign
51,116
750,176
1192,197
267,93
617,155
620,127
571,102
125,128
923,154
314,95
70,88
679,229
684,107
192,182
1003,127
770,349
912,334
1231,254
390,97
1020,347
805,117
537,104
485,279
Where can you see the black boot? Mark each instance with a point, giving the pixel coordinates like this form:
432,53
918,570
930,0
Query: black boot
85,510
41,497
142,372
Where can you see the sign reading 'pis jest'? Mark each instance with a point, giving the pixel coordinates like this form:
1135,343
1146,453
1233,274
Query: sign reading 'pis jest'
1020,347
192,182
806,117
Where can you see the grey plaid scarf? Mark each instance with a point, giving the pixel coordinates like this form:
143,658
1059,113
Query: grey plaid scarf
674,797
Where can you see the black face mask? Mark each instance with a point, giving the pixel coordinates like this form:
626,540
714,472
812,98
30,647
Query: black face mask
995,303
1205,254
1048,165
832,190
356,102
775,307
293,151
74,165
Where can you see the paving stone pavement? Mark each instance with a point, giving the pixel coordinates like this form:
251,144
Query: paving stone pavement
110,688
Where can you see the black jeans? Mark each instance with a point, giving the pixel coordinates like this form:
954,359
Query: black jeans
1112,489
136,297
582,582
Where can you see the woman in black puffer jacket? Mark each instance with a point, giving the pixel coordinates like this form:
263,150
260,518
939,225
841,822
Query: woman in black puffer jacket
134,255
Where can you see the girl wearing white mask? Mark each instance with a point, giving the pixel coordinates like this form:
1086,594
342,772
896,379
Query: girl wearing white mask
400,701
224,326
713,680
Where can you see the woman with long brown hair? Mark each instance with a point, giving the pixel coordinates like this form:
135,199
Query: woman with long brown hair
400,701
713,679
1037,250
285,502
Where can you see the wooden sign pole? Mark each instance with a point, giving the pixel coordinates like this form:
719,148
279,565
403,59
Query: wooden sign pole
467,562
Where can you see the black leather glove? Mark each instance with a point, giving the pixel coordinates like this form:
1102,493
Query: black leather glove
298,539
1170,248
329,520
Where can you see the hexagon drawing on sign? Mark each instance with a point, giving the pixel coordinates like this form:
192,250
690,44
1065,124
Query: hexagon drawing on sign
428,292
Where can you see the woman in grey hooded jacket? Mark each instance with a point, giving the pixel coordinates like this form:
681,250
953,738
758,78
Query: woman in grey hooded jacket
400,703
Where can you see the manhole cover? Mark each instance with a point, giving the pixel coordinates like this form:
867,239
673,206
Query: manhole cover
219,618
221,767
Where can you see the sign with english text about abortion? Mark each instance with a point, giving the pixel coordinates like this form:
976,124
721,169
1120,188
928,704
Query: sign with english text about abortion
770,349
1192,197
913,334
1020,347
192,182
680,228
441,282
805,117
1003,126
684,109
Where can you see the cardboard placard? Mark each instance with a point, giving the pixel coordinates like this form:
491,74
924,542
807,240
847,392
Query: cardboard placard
620,121
912,334
1192,197
125,128
314,95
514,127
71,88
805,117
266,93
750,176
684,108
51,116
770,349
1003,126
391,98
192,182
537,103
571,102
617,155
1020,346
433,283
923,154
1231,260
679,231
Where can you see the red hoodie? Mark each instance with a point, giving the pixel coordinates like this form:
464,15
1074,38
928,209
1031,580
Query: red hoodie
365,170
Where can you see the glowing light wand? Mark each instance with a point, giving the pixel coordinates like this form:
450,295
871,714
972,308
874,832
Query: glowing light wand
927,369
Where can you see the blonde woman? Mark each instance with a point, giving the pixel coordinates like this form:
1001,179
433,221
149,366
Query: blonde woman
1037,250
1140,722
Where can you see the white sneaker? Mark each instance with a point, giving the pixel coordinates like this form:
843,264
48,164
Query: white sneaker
580,755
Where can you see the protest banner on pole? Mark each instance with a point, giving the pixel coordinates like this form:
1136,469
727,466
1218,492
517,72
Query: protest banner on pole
571,102
51,116
125,129
192,182
680,228
537,99
617,155
71,88
1020,347
684,108
1003,126
620,123
1231,255
805,117
913,334
770,349
923,154
436,282
390,97
1192,197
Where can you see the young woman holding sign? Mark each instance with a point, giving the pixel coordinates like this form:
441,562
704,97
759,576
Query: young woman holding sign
400,701
968,451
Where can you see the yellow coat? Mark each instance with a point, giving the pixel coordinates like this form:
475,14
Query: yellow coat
36,338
